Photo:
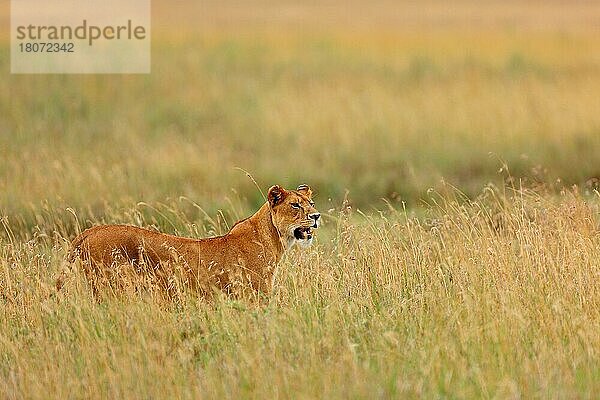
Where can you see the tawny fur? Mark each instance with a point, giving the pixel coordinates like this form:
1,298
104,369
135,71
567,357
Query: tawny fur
246,257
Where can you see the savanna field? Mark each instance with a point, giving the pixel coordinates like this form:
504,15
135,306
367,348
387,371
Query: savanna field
454,151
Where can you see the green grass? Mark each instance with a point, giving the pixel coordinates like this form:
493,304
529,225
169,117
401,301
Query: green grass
391,124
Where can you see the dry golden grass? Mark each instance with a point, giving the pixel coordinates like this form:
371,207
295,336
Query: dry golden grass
498,297
486,294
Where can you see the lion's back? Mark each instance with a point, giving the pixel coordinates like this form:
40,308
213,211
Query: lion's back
100,243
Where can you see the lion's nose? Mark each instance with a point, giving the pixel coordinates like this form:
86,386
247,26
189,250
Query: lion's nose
314,216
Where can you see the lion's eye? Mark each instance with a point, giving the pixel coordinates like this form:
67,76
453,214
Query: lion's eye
312,203
295,205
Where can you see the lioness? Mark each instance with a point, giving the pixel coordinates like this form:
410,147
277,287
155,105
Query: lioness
246,256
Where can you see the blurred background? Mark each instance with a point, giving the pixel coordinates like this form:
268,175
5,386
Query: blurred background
380,99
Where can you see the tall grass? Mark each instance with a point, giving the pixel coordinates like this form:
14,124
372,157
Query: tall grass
496,297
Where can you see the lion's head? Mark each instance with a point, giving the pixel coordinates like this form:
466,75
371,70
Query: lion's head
294,214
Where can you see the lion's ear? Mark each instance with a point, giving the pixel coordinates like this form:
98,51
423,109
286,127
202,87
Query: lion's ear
305,189
276,195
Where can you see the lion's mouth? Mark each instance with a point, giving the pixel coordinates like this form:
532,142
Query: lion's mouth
302,233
